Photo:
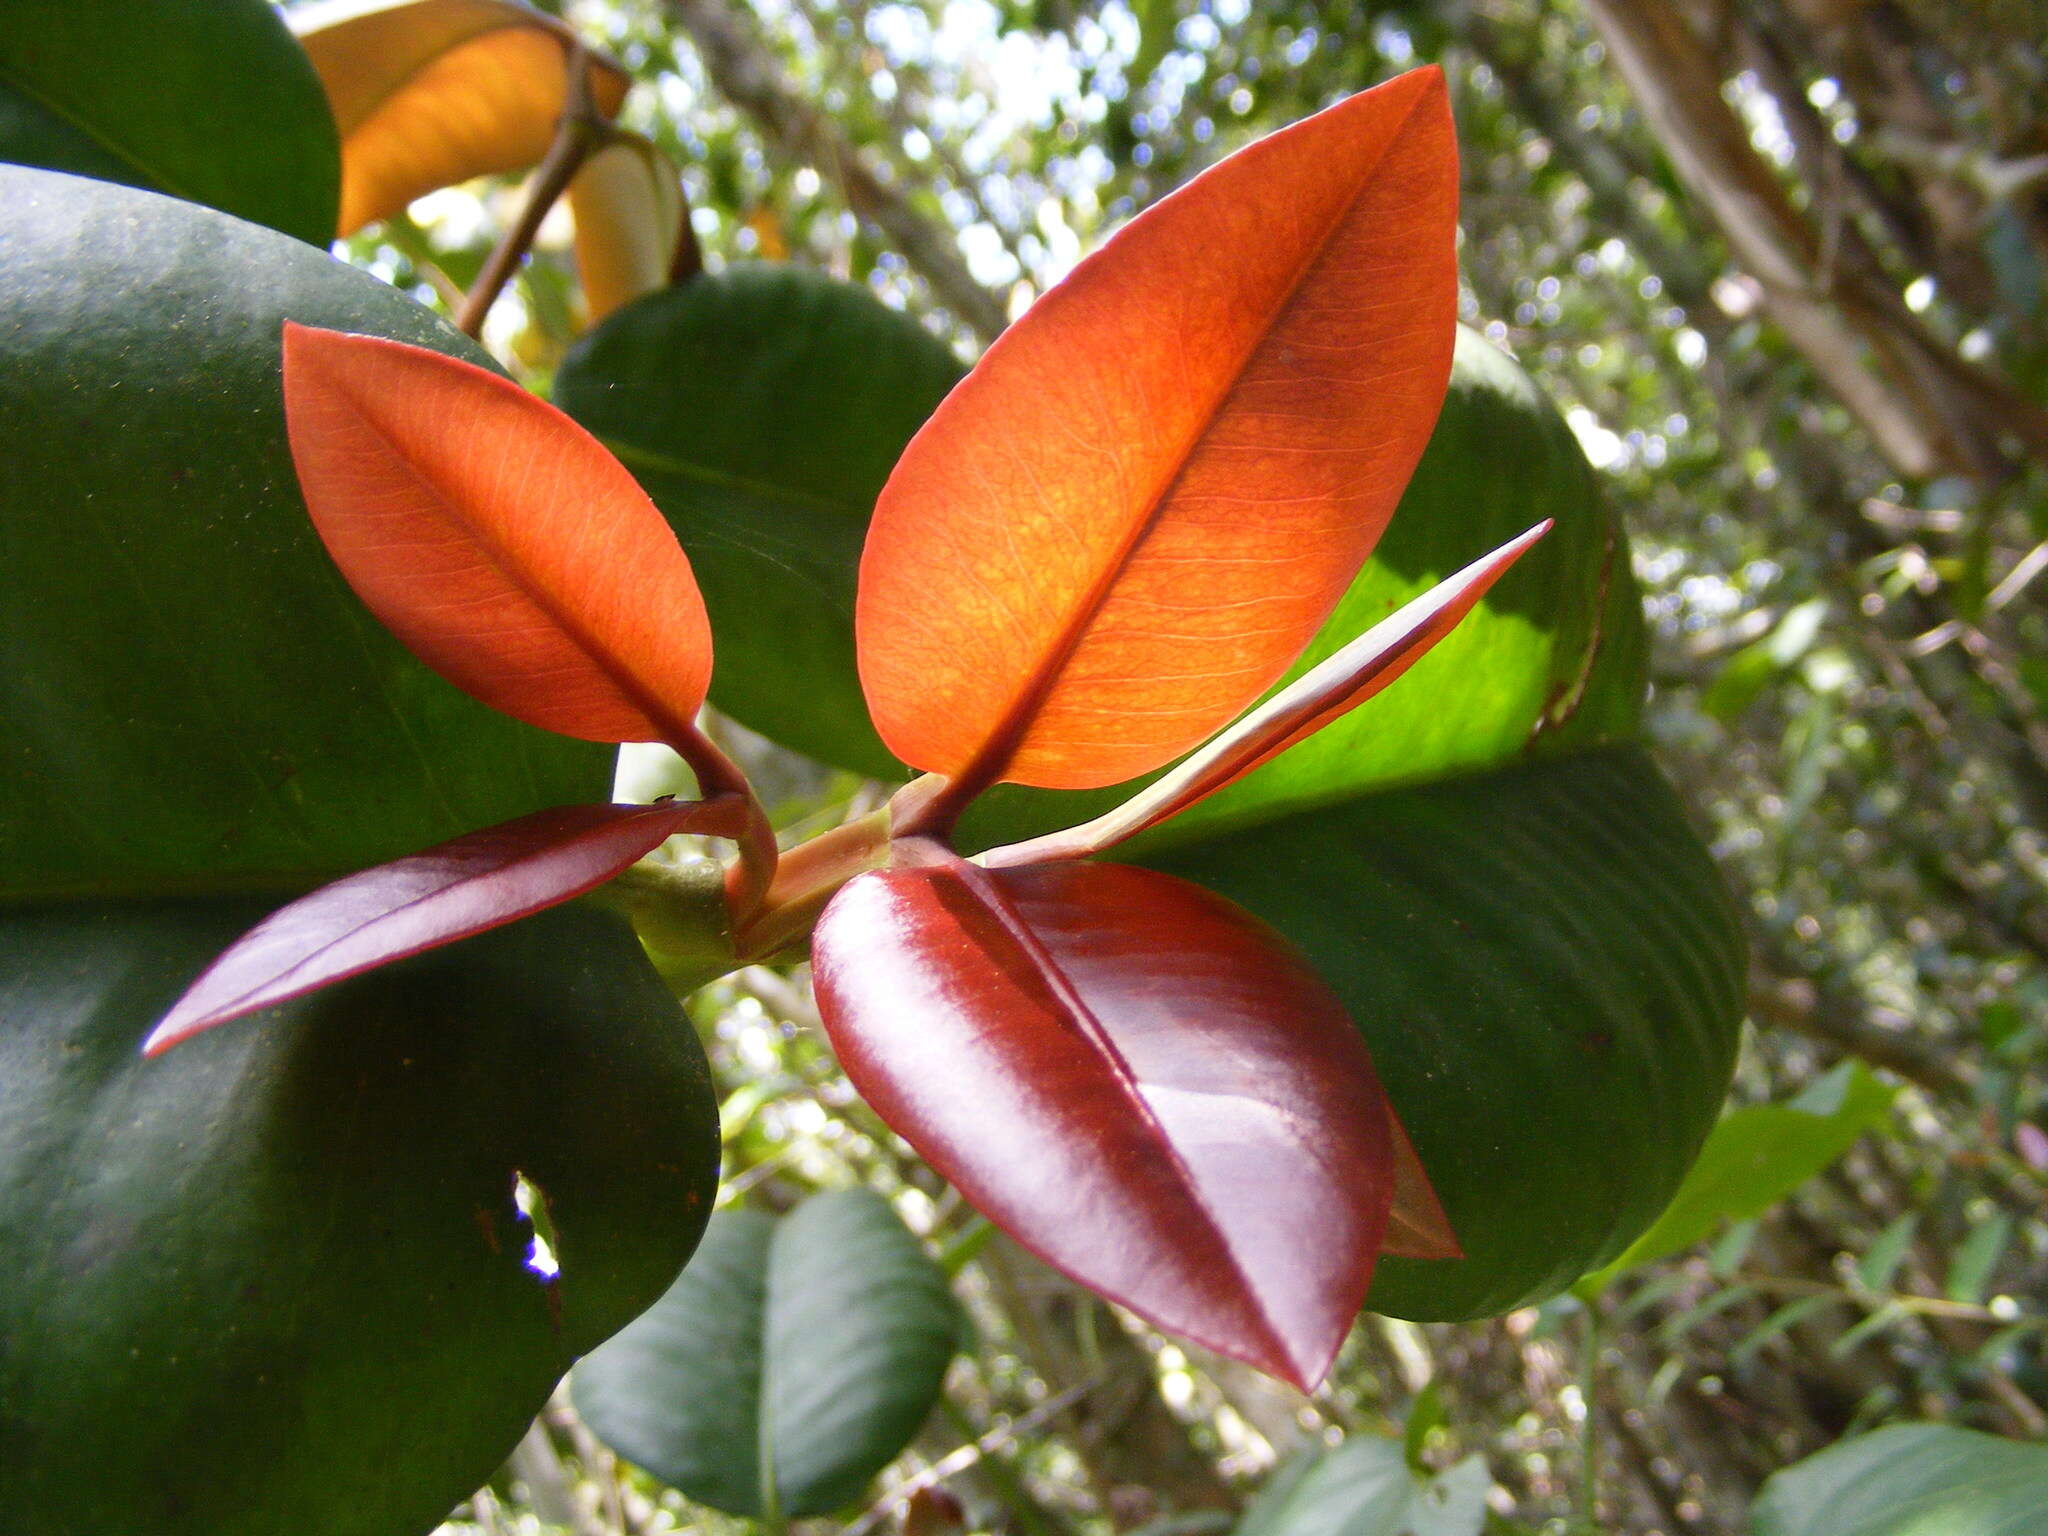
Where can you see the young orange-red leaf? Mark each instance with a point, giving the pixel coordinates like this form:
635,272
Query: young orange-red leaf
1132,515
472,883
1137,1080
1333,687
496,538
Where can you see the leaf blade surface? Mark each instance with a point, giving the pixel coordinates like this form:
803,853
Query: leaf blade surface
1135,512
496,538
465,886
1135,1079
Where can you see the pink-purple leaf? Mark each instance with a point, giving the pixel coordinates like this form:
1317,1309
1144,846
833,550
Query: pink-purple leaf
479,881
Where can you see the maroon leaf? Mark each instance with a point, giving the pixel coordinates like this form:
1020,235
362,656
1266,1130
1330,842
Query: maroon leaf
1136,1079
478,881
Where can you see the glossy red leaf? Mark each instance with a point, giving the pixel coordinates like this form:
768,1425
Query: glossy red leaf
1134,1078
496,538
1132,515
472,883
1333,687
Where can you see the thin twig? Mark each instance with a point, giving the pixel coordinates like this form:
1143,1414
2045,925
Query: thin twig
581,130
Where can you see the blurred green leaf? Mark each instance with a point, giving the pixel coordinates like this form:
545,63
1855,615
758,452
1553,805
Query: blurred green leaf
1910,1480
1969,1272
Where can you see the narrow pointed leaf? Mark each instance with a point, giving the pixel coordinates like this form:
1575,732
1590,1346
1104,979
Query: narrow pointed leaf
1138,1081
1134,513
1335,688
628,206
496,538
470,884
428,93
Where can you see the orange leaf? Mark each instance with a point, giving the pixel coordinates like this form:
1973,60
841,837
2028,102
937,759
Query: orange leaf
428,93
1128,520
496,538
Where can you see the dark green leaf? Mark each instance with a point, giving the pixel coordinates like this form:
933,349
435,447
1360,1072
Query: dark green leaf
212,101
1550,977
798,1355
762,409
1910,1480
194,699
275,1279
1759,1155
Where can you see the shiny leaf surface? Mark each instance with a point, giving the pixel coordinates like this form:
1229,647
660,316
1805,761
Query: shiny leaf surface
801,1352
496,538
428,93
628,207
194,699
1137,1081
473,883
280,1269
1550,977
1126,523
762,407
206,100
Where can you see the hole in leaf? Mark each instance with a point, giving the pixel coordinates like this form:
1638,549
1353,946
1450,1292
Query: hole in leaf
532,1203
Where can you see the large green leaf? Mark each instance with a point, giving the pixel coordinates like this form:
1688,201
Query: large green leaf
762,409
194,699
275,1280
208,100
1550,976
1365,1487
794,1358
1910,1480
1758,1155
1552,658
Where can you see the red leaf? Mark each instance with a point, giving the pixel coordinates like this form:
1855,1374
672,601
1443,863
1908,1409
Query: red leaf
475,882
1136,1079
496,538
1334,687
1128,520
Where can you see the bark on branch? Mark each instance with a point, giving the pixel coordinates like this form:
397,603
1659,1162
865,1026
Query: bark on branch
750,77
1927,409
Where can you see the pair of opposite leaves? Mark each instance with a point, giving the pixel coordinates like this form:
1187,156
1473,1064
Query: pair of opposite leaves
1110,539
